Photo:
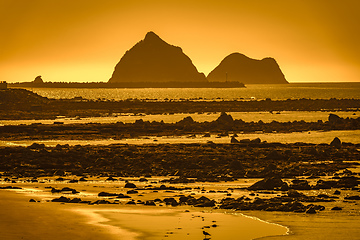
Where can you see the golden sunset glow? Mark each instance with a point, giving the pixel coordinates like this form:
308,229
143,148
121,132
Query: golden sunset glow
312,41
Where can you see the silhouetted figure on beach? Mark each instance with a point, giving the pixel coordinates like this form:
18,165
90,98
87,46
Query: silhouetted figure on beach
206,234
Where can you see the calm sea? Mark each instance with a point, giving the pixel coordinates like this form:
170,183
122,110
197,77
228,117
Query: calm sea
273,91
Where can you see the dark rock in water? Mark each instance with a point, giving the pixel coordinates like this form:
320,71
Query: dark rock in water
106,194
132,192
143,180
130,185
238,67
101,202
186,121
336,142
352,198
270,183
225,119
122,196
154,60
111,179
311,210
83,179
32,200
61,199
337,192
149,203
234,140
300,185
295,194
171,201
336,208
333,118
75,200
38,80
256,141
67,189
54,190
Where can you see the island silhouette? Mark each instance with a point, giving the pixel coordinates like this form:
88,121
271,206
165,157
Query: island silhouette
153,63
239,67
154,60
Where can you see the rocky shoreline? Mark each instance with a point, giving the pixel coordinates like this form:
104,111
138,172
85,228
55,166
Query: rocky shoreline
225,125
24,104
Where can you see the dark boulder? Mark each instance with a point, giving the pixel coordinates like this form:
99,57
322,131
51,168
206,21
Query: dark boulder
225,119
106,194
300,185
130,185
311,210
271,183
336,208
132,192
356,197
234,140
75,200
336,142
333,118
61,199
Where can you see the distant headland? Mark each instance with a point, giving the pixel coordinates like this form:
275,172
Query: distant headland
153,63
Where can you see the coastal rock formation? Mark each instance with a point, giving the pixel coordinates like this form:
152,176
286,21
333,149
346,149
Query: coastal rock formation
154,60
38,80
238,67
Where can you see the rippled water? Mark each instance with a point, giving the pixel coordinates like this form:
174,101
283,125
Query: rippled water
273,91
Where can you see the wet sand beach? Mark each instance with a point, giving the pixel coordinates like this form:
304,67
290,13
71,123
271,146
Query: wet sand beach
21,219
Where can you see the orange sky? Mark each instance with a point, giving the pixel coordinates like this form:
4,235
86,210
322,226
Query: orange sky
82,40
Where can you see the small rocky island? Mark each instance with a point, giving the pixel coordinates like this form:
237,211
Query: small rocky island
238,67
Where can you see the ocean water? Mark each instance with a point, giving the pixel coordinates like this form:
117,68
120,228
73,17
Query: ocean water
261,91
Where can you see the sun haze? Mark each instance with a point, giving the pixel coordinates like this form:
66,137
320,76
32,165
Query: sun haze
312,41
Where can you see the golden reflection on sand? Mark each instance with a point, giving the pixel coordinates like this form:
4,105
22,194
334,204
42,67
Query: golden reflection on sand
179,223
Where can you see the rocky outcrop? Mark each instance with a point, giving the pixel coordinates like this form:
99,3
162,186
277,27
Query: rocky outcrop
154,60
238,67
270,183
38,80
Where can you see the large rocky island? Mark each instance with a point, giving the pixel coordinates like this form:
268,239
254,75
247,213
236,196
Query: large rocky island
238,67
154,60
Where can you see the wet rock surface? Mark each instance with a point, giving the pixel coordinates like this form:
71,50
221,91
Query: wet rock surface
203,162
